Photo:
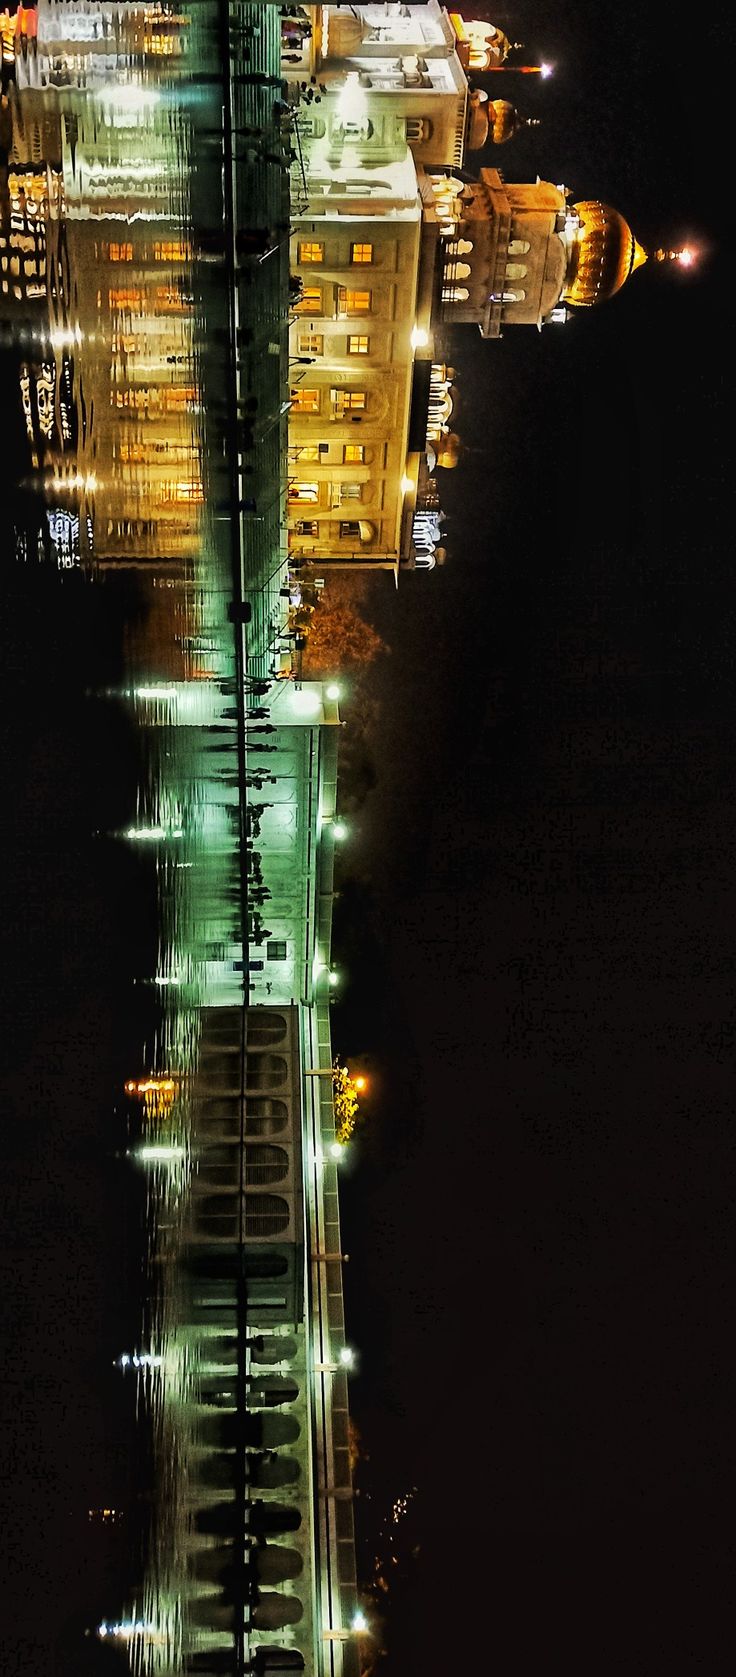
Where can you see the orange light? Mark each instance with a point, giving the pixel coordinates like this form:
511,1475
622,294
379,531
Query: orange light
360,1083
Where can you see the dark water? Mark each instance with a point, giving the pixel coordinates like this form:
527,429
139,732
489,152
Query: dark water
120,903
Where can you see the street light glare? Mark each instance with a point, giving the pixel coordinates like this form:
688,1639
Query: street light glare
360,1083
545,70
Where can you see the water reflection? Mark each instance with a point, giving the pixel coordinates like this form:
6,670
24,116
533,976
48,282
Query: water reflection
110,264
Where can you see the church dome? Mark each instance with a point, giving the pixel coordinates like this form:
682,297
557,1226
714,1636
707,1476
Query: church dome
448,451
503,121
602,257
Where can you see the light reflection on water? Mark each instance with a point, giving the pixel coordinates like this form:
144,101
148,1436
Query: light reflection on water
103,309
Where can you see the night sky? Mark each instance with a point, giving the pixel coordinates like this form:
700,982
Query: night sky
537,930
536,926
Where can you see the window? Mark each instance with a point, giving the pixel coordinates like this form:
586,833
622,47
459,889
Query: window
126,297
515,270
350,492
265,1214
519,247
418,128
349,530
346,401
310,301
353,454
303,492
353,302
265,1163
171,250
310,343
117,252
304,401
310,451
358,344
361,253
514,296
307,527
276,951
311,251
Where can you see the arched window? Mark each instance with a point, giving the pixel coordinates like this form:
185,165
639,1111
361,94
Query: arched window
514,296
265,1215
459,247
265,1071
458,270
264,1163
265,1117
265,1029
455,294
519,247
515,270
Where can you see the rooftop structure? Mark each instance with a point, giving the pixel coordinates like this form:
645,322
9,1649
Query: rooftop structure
393,243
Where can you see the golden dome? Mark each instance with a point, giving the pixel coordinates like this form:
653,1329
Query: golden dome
448,451
605,252
503,121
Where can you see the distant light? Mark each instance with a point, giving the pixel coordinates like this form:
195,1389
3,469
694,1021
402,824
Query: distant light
333,978
333,691
155,692
359,1622
347,1357
686,257
145,834
336,1150
406,485
360,1083
129,96
419,338
545,70
339,829
152,1154
305,700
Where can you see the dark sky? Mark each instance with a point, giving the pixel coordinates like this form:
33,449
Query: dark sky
537,929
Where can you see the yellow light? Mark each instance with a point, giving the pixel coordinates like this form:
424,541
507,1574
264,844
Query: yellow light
360,1083
419,338
406,485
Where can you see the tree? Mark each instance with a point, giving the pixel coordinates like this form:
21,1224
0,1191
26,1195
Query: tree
339,637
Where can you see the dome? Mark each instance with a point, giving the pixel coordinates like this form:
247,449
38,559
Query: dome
503,121
492,119
448,451
605,252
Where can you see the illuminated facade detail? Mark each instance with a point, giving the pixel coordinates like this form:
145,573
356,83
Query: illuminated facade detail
398,116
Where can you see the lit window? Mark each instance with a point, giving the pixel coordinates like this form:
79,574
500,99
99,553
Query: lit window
361,253
303,491
304,401
310,343
353,454
353,302
310,451
348,400
117,252
171,250
307,527
311,251
350,492
310,301
125,297
358,344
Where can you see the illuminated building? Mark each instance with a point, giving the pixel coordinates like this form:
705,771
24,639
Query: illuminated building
394,242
